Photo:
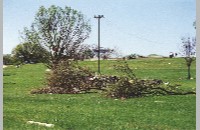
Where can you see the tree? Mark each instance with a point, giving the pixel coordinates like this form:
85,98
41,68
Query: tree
132,56
59,30
84,52
30,52
189,52
105,53
7,59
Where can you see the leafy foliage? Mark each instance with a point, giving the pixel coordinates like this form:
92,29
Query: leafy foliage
7,59
30,52
59,30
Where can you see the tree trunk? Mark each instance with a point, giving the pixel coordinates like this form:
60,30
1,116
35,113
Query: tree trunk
189,75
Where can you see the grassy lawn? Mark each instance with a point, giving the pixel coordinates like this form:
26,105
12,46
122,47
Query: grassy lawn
93,111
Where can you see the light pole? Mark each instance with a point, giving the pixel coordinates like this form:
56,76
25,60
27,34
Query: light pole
99,17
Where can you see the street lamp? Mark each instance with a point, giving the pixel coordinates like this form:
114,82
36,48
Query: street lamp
99,17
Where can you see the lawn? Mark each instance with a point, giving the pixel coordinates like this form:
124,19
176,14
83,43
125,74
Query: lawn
94,111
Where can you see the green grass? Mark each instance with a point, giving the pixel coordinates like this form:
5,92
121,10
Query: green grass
93,111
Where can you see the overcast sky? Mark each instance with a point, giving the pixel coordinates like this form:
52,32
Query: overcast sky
133,26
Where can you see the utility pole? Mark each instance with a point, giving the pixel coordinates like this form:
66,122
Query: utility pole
99,17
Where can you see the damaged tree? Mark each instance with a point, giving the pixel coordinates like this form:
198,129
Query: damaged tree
129,86
60,30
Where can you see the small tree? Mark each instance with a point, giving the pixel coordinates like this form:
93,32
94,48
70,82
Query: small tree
60,30
189,52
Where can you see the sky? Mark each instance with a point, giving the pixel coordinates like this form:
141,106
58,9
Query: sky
131,26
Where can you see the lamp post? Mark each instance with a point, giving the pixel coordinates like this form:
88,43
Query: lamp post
99,17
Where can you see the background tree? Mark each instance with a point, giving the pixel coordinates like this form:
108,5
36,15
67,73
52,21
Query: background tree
59,30
189,52
105,53
7,59
133,56
84,52
30,52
